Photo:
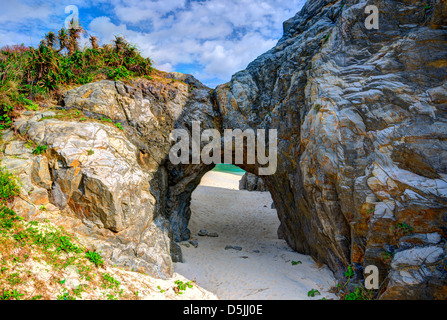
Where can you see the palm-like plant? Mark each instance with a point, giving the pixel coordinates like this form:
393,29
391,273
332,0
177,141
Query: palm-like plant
50,39
74,34
45,66
94,42
63,39
120,43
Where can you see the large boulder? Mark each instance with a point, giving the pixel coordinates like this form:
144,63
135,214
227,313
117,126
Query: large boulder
93,175
251,182
150,110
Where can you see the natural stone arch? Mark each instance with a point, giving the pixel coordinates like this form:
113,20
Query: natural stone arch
327,238
182,181
361,140
298,227
179,202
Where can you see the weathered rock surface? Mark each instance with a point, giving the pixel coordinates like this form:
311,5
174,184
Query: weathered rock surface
110,186
362,150
361,122
251,182
108,192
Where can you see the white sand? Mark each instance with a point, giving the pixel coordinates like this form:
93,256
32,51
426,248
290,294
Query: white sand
244,219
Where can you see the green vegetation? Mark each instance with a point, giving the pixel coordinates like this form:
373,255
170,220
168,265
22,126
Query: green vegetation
119,73
11,295
110,282
9,187
294,263
119,126
360,293
51,241
312,293
106,119
181,286
14,279
40,149
349,273
50,246
31,75
95,258
402,229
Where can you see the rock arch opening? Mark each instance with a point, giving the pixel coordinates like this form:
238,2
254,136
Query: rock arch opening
234,250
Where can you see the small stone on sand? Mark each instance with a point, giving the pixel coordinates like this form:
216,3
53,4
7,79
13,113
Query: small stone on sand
229,247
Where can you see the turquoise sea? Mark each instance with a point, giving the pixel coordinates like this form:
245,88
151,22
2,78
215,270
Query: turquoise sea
229,168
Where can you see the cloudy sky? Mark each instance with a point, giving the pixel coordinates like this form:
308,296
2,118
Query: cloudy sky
211,39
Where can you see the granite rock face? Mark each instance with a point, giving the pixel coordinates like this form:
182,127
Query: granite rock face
150,111
112,184
92,183
362,148
361,119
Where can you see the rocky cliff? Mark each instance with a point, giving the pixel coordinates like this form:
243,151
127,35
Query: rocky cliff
361,121
362,148
105,174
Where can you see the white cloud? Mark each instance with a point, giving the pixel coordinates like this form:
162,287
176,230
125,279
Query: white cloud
224,58
143,10
104,27
218,37
165,67
16,11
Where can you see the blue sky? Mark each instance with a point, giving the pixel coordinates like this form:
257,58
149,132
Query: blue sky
211,39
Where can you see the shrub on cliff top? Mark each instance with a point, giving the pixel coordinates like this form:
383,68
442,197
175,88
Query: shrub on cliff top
32,74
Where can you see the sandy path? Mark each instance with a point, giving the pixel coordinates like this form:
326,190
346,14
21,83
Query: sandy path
263,268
